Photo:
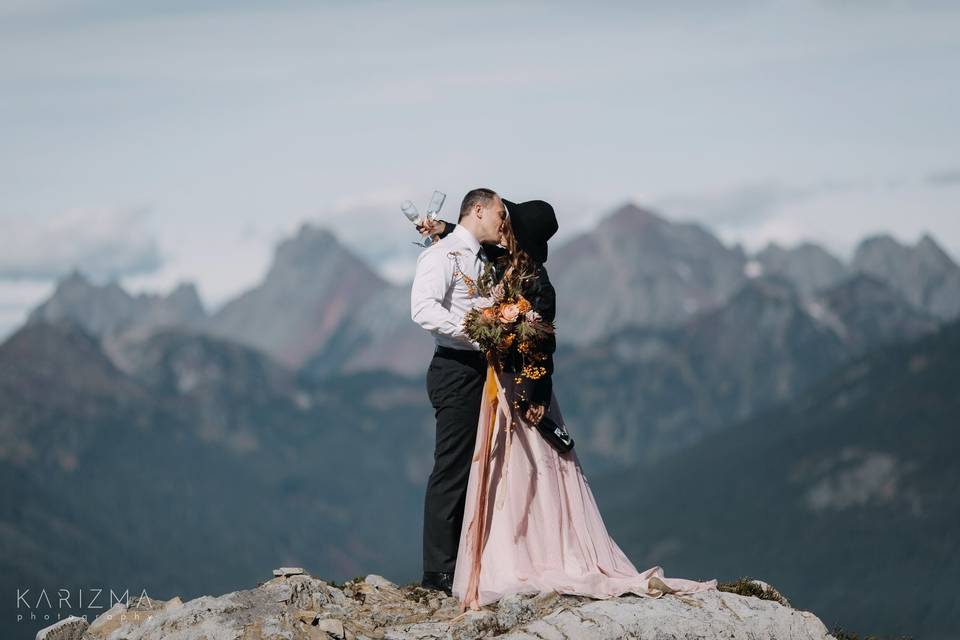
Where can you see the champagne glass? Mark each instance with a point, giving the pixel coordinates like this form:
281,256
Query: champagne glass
413,215
433,209
436,202
410,210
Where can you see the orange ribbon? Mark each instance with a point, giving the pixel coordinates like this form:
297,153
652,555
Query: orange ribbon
494,399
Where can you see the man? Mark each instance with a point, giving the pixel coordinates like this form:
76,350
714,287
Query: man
439,300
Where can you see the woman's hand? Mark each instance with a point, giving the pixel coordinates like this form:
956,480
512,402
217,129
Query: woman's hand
535,413
431,227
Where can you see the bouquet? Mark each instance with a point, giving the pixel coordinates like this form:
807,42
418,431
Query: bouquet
508,326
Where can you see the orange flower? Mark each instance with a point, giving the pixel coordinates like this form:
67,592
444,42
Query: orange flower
509,313
490,313
524,304
506,342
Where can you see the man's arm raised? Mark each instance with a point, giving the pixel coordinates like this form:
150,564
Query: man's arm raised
439,228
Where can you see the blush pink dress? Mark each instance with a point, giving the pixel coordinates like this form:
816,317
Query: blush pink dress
530,522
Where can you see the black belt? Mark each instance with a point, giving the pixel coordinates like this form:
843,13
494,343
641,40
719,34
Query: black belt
467,355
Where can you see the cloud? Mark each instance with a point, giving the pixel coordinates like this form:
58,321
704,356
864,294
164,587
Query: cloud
372,226
104,243
746,205
834,213
944,178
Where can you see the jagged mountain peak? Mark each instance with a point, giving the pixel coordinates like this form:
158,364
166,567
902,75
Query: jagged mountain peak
311,236
926,247
77,280
314,250
630,213
108,309
634,223
320,285
638,269
774,248
879,240
808,265
929,247
923,273
75,276
186,294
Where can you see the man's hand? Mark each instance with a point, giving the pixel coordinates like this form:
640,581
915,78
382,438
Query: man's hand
535,413
431,227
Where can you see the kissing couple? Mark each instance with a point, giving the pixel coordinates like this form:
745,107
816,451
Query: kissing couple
532,525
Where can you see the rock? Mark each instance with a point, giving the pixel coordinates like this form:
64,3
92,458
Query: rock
378,581
128,615
288,571
710,614
514,609
331,626
304,607
307,616
104,624
71,628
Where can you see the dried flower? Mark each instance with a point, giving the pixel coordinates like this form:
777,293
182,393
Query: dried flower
503,322
509,312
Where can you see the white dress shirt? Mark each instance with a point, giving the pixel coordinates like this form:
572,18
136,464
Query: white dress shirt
439,299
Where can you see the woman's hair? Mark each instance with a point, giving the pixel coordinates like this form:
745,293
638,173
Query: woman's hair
517,260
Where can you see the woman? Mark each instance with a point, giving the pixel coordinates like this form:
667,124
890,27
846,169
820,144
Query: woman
534,526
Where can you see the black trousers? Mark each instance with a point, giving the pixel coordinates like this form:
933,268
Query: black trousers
455,385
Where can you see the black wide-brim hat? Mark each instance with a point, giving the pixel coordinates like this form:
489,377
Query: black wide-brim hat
533,222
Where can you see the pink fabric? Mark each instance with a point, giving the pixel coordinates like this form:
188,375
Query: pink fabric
543,531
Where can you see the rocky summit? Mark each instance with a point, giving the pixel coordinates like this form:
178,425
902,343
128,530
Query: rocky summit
295,605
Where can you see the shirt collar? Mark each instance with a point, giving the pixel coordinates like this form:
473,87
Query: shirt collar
467,236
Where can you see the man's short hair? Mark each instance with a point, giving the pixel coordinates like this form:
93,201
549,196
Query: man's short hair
473,198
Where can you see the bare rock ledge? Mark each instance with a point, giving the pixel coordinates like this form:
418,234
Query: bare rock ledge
297,606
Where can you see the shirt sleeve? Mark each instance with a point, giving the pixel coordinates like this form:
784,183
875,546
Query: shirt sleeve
433,278
448,228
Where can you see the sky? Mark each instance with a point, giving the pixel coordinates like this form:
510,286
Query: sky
161,142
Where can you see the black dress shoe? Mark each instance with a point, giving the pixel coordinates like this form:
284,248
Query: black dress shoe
438,580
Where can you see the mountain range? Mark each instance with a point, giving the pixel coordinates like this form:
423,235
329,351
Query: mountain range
209,460
845,496
640,393
143,437
322,310
199,467
667,333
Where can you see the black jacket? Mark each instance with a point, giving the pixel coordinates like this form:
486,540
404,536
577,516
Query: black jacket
543,298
